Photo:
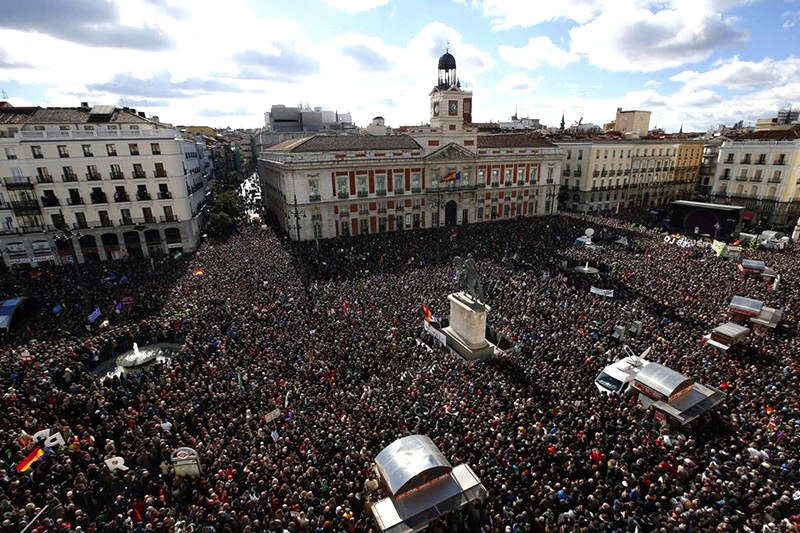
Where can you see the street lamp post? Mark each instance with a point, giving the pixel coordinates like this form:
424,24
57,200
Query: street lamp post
437,204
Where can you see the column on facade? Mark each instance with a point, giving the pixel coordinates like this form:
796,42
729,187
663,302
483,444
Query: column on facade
76,246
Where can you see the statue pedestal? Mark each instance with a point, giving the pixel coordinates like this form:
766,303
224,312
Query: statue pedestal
466,331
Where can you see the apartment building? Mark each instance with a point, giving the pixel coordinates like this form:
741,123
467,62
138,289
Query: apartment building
89,184
609,174
761,171
444,173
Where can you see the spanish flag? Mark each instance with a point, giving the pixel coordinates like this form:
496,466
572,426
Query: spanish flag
32,457
198,273
452,176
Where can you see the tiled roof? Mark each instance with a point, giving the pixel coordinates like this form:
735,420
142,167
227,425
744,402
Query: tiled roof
346,143
789,134
61,115
513,140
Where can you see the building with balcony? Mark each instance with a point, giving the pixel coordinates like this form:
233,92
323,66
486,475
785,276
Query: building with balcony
441,174
82,184
761,171
602,174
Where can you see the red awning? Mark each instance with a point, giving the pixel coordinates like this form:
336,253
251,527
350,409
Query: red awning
748,215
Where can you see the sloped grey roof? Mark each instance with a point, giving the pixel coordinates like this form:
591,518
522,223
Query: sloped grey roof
62,115
661,379
513,140
410,462
346,143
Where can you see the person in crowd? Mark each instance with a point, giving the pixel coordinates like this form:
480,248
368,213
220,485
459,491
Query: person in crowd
331,334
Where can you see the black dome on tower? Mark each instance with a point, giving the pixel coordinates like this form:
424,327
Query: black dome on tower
447,61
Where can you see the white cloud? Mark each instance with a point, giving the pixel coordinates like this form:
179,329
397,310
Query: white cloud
743,75
623,35
517,83
626,39
507,14
354,6
538,50
652,83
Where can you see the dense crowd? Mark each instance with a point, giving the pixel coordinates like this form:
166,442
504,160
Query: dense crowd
330,334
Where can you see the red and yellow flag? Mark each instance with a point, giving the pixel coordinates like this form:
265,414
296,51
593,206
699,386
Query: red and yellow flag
198,273
428,315
32,457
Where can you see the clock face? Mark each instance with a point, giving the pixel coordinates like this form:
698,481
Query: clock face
452,108
436,108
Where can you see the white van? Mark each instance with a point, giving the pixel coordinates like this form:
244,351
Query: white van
617,377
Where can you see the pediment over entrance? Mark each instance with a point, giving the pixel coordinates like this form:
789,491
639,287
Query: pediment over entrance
450,152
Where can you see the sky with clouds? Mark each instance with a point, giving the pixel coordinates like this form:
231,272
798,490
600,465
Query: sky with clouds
693,62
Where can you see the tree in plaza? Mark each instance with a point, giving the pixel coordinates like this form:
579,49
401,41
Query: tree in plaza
228,202
220,225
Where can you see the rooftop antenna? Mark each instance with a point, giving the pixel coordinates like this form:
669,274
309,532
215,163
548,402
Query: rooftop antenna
447,47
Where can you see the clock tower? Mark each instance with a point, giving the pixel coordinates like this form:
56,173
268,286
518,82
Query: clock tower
451,107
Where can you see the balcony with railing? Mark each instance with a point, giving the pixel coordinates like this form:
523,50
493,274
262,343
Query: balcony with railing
362,194
104,223
69,177
126,221
117,175
577,173
139,174
774,180
168,218
80,225
744,161
143,196
164,195
75,200
44,178
596,173
50,201
149,219
380,192
313,197
342,195
25,207
780,162
159,173
398,191
121,197
93,176
97,132
17,183
98,198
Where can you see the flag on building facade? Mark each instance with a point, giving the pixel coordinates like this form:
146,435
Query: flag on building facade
198,273
95,314
452,176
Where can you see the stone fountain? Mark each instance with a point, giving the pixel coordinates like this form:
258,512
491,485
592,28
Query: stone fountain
586,269
136,357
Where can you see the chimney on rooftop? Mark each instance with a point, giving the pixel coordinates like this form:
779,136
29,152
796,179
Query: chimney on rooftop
84,104
141,114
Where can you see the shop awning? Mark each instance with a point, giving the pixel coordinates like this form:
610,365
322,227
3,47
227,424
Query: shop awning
7,310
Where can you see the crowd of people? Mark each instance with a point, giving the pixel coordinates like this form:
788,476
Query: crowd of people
330,333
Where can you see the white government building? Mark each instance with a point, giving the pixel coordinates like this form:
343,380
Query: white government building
761,171
353,185
88,184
